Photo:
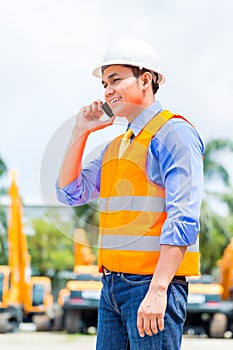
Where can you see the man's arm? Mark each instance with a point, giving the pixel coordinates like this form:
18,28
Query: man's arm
152,309
175,162
85,187
87,121
178,151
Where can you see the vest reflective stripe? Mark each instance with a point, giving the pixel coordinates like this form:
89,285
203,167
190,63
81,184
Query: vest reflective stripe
141,243
132,209
136,203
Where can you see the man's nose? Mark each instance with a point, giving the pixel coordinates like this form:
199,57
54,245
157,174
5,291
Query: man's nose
109,91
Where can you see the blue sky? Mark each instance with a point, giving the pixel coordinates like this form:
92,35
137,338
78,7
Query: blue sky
49,49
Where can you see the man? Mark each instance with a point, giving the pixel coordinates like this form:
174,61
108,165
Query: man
150,198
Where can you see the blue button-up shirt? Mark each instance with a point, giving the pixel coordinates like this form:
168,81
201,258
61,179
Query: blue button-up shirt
175,162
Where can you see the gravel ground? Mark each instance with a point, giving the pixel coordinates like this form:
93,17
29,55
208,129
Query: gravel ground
61,341
46,341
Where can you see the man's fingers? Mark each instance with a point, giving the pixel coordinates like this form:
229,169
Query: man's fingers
154,326
160,322
140,325
149,321
94,109
85,111
99,104
149,326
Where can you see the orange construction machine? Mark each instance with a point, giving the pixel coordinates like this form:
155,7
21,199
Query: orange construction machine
210,304
225,265
21,296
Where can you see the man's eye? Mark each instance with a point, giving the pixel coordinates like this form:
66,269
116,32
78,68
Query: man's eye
115,80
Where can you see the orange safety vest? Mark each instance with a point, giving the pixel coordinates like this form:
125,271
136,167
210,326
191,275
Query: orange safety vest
132,209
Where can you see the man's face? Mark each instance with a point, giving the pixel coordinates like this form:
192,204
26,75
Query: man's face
123,91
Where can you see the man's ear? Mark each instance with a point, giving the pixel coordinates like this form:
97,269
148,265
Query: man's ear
146,79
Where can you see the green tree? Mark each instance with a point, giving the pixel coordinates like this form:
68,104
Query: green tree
3,167
87,217
3,218
215,234
215,229
51,251
227,198
212,166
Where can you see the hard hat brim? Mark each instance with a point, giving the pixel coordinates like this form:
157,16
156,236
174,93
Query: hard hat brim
97,72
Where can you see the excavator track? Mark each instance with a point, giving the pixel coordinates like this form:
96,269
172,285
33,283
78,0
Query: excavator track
42,322
8,323
218,326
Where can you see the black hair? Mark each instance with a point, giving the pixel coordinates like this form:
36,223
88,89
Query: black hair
137,72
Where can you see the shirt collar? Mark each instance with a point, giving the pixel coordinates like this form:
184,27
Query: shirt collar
143,118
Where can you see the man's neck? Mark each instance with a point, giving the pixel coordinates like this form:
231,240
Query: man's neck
139,109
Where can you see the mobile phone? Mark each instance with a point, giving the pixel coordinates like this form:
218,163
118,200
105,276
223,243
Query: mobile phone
107,110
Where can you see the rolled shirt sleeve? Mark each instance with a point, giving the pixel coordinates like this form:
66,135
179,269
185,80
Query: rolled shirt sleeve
175,161
85,187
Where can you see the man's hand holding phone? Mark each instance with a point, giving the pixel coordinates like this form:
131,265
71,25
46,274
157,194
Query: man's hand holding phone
89,117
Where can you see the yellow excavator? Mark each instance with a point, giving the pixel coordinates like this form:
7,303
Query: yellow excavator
21,295
210,304
79,299
225,265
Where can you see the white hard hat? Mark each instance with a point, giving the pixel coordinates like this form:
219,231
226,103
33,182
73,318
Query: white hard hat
133,52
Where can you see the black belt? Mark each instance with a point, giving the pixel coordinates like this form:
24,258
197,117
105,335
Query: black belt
107,272
179,279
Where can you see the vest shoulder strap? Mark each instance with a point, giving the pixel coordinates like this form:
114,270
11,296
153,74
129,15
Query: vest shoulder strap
156,123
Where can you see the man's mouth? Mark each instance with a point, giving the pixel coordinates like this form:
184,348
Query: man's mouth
114,100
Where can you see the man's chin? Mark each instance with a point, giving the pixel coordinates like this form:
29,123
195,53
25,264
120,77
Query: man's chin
120,109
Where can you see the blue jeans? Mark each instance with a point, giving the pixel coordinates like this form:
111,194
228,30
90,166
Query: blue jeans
117,317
